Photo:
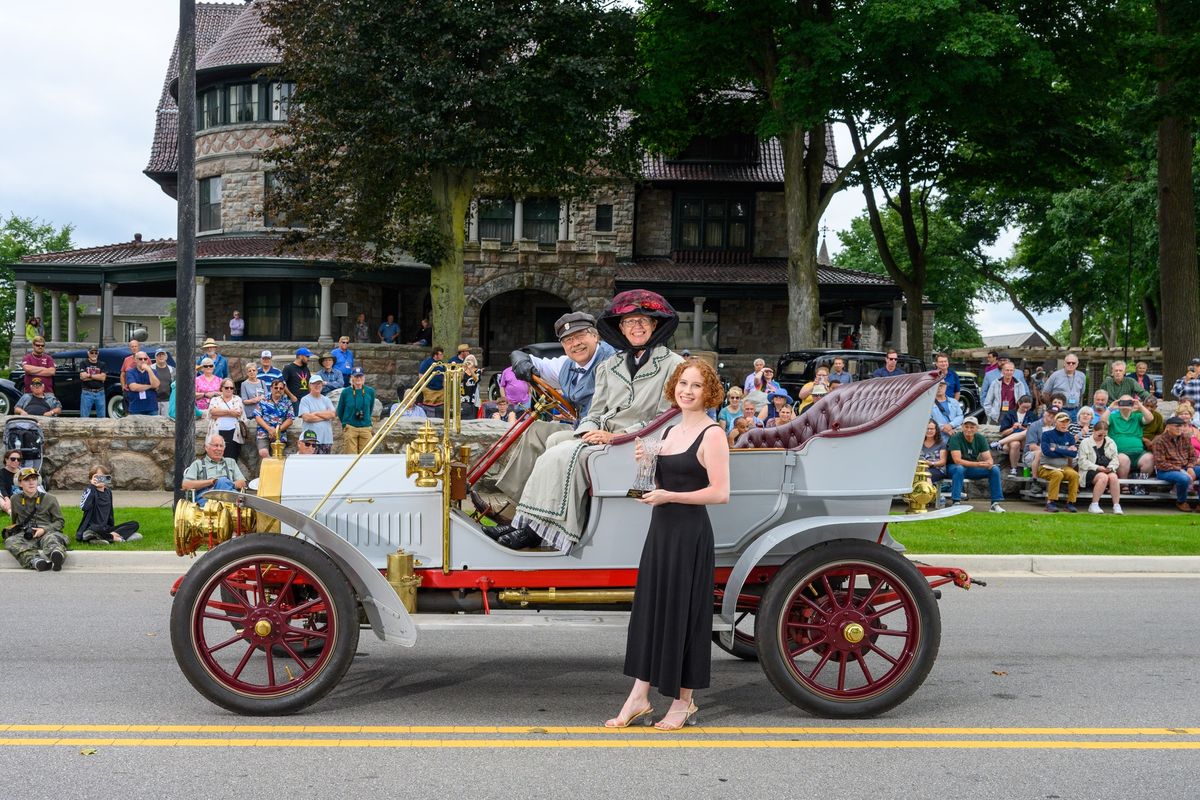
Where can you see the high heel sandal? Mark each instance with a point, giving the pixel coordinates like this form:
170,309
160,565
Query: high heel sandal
645,715
688,719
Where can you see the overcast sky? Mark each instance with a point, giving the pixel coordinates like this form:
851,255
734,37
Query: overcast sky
81,82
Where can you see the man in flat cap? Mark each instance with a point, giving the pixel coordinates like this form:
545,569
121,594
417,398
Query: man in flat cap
573,374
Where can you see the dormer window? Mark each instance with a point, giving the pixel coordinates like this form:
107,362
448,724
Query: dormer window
733,148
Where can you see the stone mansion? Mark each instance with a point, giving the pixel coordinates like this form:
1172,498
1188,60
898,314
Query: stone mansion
704,228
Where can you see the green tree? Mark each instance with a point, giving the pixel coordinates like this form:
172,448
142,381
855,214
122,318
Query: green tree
403,110
778,68
22,236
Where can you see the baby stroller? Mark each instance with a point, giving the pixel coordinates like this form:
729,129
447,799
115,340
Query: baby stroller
25,435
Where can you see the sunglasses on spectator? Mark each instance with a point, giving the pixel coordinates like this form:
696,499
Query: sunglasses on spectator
17,459
206,366
227,386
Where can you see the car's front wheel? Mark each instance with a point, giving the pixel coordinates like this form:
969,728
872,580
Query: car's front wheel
115,407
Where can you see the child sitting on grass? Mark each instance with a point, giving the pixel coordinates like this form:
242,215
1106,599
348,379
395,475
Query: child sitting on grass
98,525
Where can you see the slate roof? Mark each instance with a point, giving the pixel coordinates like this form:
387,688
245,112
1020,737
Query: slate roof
1027,339
768,169
242,44
764,271
159,250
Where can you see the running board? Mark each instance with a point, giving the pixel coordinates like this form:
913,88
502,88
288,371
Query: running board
509,619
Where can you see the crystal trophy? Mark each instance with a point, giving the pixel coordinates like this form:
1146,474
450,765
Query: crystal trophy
644,482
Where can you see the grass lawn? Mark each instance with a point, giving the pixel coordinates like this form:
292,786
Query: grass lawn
981,533
1166,534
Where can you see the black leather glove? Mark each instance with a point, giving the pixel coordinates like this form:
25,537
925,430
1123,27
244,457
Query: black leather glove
522,365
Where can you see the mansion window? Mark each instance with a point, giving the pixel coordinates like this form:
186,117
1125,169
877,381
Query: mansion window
208,109
541,219
496,219
274,213
281,101
604,217
243,102
282,310
712,223
209,204
733,148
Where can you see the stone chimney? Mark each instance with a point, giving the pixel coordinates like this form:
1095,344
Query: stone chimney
137,238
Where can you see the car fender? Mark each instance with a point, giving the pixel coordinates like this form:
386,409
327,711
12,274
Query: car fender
781,533
387,615
11,388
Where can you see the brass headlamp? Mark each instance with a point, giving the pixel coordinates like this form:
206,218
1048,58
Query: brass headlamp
425,457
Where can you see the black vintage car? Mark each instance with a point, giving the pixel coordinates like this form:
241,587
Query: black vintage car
67,365
796,368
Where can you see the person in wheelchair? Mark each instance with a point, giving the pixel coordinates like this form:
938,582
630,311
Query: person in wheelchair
628,394
213,471
573,375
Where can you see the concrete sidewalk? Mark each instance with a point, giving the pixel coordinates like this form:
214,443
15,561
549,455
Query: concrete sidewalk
161,562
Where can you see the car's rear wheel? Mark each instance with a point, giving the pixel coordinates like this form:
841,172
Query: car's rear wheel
115,407
6,404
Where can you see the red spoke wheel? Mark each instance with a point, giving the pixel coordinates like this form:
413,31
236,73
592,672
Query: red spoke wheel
848,629
264,624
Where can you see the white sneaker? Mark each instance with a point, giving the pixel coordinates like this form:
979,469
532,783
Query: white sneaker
1094,508
1117,509
996,509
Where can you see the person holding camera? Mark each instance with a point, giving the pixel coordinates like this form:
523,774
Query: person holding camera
816,388
1188,387
98,524
35,538
354,411
1127,421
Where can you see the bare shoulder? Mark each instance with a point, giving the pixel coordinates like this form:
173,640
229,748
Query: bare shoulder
715,436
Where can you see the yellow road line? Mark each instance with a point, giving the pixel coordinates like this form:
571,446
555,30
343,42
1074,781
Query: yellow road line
574,729
665,741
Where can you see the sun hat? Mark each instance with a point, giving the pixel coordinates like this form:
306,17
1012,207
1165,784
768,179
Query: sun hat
209,342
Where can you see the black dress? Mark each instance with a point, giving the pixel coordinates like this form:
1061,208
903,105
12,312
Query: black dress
670,626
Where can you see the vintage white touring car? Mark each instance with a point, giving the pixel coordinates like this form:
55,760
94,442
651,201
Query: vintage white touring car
806,582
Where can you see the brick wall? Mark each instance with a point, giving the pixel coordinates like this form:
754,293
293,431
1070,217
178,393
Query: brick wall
770,225
653,223
620,238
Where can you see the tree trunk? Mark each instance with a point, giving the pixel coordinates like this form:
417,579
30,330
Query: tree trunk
452,191
1153,329
1180,285
801,199
1076,318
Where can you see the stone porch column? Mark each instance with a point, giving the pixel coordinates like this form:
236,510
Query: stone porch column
326,336
106,314
698,323
19,320
518,220
55,326
72,317
564,220
473,222
38,309
897,323
201,282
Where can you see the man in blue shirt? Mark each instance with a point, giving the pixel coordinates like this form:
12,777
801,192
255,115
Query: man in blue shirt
953,384
389,331
891,368
141,383
343,359
267,372
433,393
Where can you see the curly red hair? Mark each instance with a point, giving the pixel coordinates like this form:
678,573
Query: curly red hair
714,392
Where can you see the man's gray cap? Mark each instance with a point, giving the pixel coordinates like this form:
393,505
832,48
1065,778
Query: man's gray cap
573,322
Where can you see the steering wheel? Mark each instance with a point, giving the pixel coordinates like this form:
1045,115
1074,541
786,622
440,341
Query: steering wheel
566,410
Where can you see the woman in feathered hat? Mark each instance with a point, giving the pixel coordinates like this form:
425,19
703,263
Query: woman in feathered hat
629,394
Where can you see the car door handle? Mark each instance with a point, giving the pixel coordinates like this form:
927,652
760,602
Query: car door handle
360,500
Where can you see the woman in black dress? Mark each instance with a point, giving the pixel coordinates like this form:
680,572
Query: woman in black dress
670,628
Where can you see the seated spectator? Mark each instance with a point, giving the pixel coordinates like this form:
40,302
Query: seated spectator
504,413
782,417
1097,466
947,412
891,366
1013,427
766,382
275,416
1100,400
1118,384
1187,413
1156,426
8,479
732,409
1081,428
317,413
1032,455
512,389
740,426
1059,452
36,403
307,444
991,371
330,374
1126,425
838,375
212,471
816,388
403,395
778,399
253,391
98,525
970,457
953,383
424,335
35,538
1174,462
934,453
748,412
1004,393
1142,379
751,381
1188,387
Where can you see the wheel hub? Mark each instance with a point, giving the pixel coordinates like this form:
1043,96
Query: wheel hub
262,628
265,625
853,633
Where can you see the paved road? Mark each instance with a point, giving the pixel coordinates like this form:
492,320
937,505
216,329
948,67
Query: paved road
1070,654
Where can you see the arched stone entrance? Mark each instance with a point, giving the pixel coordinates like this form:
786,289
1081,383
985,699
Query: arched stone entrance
514,319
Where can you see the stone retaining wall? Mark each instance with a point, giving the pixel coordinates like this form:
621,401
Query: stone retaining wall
140,451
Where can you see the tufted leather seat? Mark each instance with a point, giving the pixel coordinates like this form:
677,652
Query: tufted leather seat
846,411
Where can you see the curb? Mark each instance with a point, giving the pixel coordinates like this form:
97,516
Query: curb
164,562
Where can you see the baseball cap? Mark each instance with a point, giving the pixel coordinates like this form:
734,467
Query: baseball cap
1053,409
162,350
36,382
309,437
28,472
1176,421
304,351
970,421
464,346
1061,416
316,378
93,349
357,371
266,354
573,322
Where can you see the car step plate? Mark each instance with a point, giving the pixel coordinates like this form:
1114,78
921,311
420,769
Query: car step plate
517,619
